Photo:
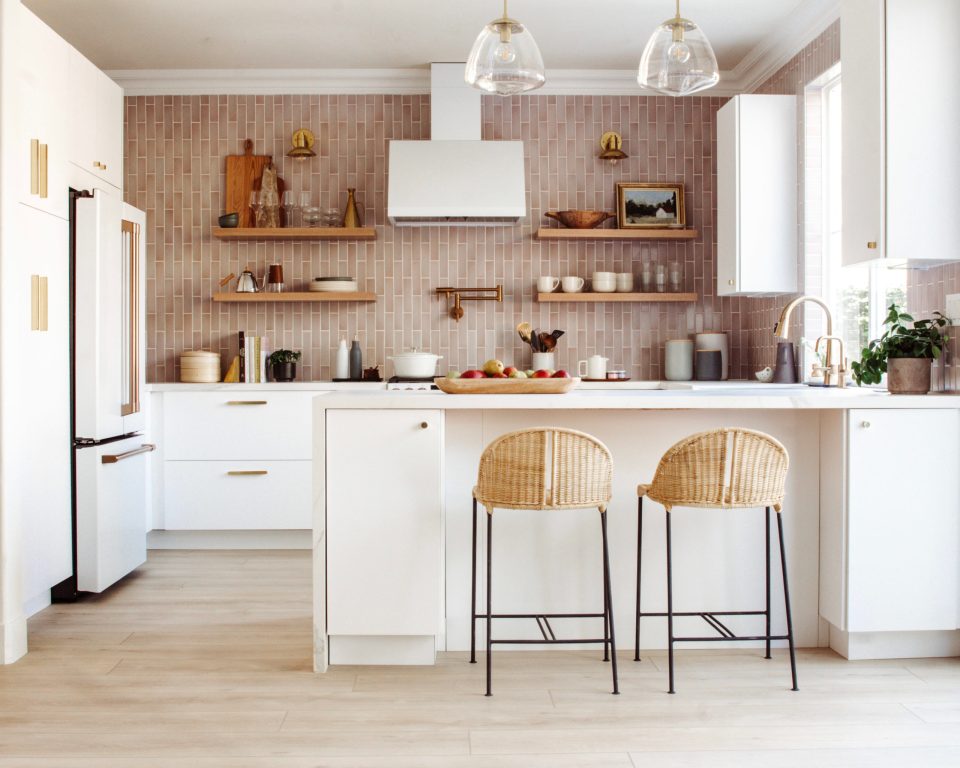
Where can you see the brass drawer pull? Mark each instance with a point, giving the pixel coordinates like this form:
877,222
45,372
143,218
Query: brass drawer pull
246,472
34,166
246,402
114,458
43,170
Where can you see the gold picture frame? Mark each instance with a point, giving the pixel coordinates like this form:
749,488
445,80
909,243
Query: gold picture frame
650,205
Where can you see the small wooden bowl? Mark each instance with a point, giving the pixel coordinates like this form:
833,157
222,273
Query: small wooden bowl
580,219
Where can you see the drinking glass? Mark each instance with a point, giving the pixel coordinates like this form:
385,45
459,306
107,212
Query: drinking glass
676,277
661,278
254,204
646,277
290,208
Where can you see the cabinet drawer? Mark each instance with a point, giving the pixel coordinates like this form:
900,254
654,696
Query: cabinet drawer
237,495
237,425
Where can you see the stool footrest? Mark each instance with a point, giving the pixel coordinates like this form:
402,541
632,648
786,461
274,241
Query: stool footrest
540,641
711,618
543,624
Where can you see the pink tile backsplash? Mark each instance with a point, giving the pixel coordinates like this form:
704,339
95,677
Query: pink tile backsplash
174,170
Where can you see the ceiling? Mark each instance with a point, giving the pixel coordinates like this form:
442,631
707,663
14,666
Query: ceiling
388,34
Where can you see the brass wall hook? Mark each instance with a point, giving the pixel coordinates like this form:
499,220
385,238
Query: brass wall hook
469,294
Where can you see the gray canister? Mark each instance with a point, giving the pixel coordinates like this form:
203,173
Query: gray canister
709,365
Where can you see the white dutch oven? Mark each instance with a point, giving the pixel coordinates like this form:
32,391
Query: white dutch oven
415,364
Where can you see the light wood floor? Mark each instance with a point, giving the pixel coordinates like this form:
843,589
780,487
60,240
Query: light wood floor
203,659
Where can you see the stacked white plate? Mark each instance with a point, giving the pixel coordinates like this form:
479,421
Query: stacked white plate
334,284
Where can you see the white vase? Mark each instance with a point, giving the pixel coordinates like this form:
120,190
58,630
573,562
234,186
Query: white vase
678,360
546,361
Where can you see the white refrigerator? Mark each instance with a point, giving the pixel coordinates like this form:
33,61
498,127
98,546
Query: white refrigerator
110,451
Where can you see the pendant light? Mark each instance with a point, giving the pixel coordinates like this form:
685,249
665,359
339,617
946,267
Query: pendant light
678,59
505,58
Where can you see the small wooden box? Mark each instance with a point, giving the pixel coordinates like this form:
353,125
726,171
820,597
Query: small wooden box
200,367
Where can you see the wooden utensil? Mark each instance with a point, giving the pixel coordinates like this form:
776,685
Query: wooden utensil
525,331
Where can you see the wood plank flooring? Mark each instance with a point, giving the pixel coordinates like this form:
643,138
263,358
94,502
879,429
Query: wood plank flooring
202,659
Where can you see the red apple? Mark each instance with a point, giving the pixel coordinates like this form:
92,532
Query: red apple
561,374
473,374
509,370
498,376
541,374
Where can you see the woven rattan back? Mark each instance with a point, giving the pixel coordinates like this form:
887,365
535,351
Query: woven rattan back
727,467
545,468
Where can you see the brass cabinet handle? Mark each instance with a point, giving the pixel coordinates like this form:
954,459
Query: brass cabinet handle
34,166
246,402
246,472
872,245
114,458
43,170
38,302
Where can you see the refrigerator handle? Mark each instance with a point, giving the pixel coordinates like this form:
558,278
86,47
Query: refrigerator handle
115,457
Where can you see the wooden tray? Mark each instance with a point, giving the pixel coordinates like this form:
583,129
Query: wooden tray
505,386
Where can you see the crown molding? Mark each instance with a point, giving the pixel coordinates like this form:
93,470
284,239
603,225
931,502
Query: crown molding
807,22
256,82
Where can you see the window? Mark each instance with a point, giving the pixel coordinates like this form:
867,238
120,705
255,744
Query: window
858,295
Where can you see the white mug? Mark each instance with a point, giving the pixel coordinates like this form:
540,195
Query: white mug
547,284
572,284
624,282
593,368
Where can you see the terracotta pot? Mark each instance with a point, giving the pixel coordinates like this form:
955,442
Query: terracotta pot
908,375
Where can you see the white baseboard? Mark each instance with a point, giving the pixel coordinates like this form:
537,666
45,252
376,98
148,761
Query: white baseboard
229,539
859,646
391,650
36,604
13,640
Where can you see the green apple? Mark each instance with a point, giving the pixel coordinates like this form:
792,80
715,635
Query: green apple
515,374
453,374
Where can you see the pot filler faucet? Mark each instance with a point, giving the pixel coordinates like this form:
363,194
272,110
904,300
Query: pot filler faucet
830,370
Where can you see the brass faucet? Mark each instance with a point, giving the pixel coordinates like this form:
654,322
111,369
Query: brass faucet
782,330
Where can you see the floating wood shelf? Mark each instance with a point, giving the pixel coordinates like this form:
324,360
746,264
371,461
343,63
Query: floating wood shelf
290,296
557,233
295,233
620,297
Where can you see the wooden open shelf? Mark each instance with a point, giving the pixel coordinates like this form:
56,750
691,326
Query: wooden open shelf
620,297
295,233
558,233
290,296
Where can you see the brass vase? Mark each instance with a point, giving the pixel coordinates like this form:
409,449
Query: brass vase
351,216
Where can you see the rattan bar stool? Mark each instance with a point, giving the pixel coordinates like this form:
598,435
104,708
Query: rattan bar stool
722,469
542,468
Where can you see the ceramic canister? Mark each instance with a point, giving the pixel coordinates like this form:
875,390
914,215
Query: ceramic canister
716,341
709,364
678,360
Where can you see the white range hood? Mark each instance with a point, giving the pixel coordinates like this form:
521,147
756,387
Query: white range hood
455,179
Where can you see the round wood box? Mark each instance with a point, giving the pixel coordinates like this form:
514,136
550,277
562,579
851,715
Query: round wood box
200,367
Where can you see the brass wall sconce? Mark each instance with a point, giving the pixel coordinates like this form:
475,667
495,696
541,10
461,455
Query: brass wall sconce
469,294
611,144
302,141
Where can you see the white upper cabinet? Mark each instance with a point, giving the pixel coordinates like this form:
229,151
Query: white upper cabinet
39,154
757,195
96,101
901,158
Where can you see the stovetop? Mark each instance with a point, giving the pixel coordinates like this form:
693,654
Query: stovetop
398,384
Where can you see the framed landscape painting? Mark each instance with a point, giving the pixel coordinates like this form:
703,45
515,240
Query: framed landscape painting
650,205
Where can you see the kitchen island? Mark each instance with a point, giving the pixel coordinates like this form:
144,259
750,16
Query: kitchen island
393,474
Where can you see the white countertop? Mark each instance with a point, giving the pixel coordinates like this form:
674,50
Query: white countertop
271,386
738,395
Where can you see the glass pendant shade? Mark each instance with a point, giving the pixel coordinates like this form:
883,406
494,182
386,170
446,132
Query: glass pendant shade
505,59
678,59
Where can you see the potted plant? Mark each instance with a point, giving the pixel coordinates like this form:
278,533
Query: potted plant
283,364
905,354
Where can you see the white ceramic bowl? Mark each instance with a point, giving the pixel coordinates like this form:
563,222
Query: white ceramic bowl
604,286
333,285
415,364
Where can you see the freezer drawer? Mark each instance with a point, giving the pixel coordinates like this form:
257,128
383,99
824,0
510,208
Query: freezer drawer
111,512
237,495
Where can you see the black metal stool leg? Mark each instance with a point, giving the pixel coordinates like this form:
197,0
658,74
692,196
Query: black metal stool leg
636,646
786,601
767,559
669,603
606,608
473,590
489,601
608,602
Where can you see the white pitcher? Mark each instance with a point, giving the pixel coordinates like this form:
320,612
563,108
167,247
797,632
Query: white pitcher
593,368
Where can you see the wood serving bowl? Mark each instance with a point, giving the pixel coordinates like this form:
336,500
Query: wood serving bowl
580,219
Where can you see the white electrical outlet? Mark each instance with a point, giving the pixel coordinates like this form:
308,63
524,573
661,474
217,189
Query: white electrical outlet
952,309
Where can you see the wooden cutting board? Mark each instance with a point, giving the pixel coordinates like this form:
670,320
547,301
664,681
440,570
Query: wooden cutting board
243,176
505,386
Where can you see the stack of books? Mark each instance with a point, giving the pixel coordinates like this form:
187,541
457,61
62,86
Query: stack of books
253,358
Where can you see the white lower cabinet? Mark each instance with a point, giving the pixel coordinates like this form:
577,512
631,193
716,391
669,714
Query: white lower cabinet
237,495
384,472
890,556
236,459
